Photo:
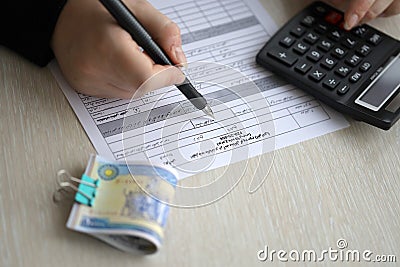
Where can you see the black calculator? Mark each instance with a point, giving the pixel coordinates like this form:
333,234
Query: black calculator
356,72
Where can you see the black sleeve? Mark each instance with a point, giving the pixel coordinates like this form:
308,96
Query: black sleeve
26,26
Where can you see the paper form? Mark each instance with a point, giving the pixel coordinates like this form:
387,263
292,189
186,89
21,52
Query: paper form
163,127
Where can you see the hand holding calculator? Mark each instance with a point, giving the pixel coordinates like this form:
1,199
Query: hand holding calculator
356,72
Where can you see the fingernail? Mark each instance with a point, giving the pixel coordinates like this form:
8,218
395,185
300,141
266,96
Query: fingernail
353,20
180,78
180,56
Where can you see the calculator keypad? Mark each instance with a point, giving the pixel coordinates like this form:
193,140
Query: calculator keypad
353,60
308,21
343,71
287,41
301,48
363,50
343,89
317,75
329,63
365,66
331,83
311,38
355,77
303,67
349,42
339,52
314,55
298,31
335,35
325,45
360,31
283,56
322,51
375,39
314,52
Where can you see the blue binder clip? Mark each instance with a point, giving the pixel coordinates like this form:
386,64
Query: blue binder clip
85,192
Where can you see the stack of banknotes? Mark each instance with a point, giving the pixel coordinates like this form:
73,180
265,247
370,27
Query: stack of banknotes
127,207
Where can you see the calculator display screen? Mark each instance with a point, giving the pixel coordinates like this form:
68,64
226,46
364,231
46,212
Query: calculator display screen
387,83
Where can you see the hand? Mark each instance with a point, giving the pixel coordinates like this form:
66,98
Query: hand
362,11
99,58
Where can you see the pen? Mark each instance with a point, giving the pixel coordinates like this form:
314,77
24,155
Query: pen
128,22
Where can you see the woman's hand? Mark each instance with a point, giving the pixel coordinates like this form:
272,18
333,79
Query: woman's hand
99,58
361,11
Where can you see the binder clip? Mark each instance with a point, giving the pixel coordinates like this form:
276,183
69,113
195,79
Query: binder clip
85,192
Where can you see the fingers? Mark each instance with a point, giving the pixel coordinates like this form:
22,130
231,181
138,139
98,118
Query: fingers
362,11
392,10
164,31
356,11
163,76
132,67
376,9
99,58
105,91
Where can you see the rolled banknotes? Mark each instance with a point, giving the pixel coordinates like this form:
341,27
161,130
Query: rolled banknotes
125,205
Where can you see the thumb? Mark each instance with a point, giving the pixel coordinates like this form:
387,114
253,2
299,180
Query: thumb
164,31
169,38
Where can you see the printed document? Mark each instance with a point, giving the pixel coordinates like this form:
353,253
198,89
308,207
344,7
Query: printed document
256,111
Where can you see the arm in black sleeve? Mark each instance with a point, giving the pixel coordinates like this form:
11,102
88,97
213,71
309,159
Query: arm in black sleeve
26,26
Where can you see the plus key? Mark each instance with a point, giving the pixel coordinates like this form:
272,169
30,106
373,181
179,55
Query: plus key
283,56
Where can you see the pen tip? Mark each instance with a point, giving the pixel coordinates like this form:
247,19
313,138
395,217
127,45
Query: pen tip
208,111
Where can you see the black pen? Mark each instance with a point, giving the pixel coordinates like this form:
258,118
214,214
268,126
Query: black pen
129,23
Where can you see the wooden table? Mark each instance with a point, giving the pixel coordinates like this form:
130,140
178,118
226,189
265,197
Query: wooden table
341,185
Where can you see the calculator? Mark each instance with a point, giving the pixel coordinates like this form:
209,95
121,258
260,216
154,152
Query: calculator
356,72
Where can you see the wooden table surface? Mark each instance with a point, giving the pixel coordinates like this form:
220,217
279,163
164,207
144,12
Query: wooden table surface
341,185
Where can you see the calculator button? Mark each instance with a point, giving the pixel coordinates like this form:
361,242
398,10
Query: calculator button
287,41
316,75
333,17
308,21
360,30
339,52
375,39
328,63
301,48
298,31
311,38
314,56
303,67
343,71
283,56
355,77
353,60
325,45
330,83
335,35
363,50
343,89
320,10
321,28
349,42
365,66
